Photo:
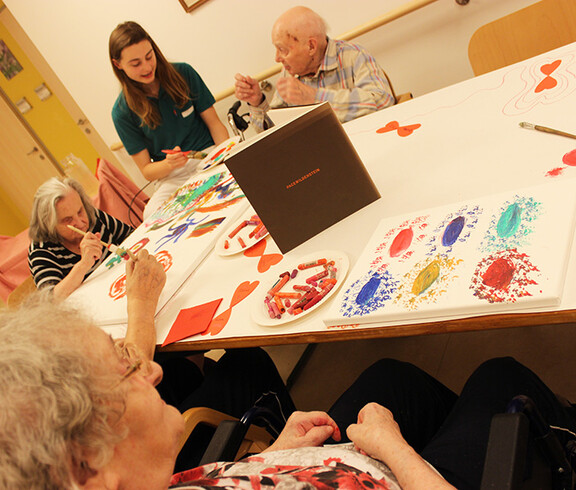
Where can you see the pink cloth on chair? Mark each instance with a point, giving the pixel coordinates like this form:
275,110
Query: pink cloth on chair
116,192
13,262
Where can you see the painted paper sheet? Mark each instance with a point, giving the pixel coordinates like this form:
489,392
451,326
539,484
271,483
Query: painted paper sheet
494,254
179,234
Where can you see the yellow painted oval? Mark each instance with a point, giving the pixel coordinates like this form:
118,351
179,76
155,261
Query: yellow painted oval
426,278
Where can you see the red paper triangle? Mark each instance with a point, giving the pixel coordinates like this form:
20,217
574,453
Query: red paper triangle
191,321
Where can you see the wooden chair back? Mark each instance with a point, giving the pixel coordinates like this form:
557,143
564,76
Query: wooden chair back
255,441
528,32
21,293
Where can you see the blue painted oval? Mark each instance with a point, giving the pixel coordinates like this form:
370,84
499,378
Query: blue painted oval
453,230
509,221
368,290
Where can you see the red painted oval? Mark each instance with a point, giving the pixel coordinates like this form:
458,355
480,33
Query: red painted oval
570,158
401,242
499,274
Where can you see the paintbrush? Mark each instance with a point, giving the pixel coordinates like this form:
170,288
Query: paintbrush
544,129
197,155
121,252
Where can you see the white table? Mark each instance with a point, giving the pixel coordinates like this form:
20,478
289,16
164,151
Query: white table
469,145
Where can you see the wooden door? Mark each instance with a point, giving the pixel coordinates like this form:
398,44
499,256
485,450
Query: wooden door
24,165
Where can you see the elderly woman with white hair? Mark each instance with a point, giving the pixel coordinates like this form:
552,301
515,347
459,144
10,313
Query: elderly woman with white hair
59,257
79,410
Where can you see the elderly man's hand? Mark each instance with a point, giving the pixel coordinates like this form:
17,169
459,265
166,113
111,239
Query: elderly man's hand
145,278
247,89
294,92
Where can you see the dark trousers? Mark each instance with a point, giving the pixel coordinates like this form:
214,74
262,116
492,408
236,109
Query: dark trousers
232,385
450,432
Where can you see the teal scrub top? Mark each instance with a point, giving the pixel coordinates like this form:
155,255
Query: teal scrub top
180,126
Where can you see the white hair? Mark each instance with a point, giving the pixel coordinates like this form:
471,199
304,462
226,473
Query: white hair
44,218
56,407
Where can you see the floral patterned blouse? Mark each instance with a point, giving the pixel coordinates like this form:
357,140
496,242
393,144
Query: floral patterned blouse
338,466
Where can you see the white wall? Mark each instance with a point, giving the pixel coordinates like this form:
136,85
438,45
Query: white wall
421,52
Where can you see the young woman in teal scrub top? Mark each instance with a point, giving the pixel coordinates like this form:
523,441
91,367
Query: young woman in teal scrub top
165,110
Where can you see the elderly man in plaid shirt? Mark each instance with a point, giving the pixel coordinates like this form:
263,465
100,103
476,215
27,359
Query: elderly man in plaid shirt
317,69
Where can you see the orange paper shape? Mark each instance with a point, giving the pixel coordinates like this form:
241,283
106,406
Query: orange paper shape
191,321
243,290
266,260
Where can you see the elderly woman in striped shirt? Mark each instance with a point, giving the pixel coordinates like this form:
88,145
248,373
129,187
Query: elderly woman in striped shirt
59,257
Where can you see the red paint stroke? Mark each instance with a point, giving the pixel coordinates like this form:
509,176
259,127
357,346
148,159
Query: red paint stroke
139,245
418,226
204,228
266,260
241,293
218,153
499,274
548,82
401,242
118,287
570,158
219,206
402,130
555,172
165,259
504,276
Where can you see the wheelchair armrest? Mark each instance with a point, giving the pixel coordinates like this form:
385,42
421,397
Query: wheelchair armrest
506,452
225,443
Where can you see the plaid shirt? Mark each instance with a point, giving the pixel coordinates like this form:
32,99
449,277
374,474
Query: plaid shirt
348,77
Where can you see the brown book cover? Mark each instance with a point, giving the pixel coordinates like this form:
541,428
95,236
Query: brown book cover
302,177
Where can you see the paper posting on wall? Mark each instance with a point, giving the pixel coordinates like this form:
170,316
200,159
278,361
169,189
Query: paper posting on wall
302,177
490,255
179,234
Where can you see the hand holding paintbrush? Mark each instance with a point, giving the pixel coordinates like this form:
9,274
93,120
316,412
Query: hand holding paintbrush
121,252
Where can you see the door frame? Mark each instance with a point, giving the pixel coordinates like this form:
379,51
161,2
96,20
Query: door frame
57,87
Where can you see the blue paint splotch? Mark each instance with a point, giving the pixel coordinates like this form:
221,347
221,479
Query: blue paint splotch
368,294
454,229
512,225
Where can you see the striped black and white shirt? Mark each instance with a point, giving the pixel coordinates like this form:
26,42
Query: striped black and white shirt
51,262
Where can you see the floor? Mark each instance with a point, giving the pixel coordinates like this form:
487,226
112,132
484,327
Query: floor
550,351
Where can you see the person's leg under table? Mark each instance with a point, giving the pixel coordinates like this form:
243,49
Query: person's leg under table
458,450
418,402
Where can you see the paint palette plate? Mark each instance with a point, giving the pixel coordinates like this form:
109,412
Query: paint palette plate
234,244
259,310
218,154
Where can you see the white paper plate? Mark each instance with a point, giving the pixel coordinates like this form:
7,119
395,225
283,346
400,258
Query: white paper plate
258,308
218,154
234,246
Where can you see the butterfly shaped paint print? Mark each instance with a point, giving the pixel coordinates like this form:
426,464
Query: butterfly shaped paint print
401,130
548,82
